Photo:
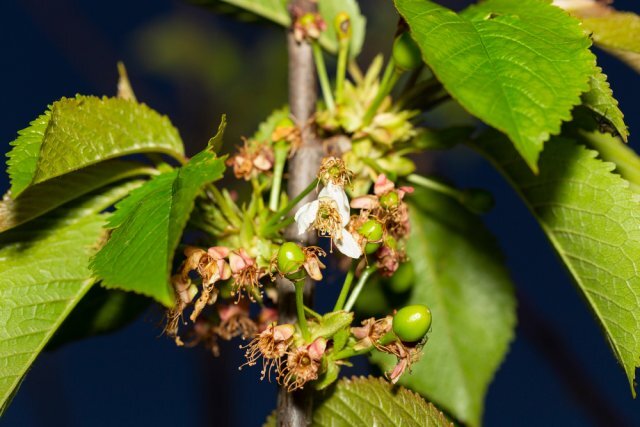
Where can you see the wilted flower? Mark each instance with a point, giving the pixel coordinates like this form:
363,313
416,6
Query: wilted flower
204,333
212,267
388,260
333,170
303,365
235,321
329,215
246,274
184,292
307,26
251,160
270,344
371,331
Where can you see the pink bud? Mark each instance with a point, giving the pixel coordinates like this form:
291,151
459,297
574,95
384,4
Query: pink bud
317,348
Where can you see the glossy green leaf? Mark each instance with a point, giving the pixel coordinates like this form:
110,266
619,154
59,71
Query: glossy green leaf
77,132
505,63
42,198
147,227
600,100
44,270
366,402
592,218
462,279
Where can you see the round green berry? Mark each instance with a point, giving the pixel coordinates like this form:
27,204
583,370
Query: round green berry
406,52
371,230
411,323
371,248
389,200
403,279
290,258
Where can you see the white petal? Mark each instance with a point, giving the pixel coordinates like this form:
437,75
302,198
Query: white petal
348,245
336,192
306,215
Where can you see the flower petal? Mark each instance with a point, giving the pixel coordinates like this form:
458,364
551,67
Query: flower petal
337,193
306,215
348,245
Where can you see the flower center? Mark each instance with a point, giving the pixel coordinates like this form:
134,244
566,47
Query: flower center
328,221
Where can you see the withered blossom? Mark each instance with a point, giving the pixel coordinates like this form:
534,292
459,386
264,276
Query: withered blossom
303,365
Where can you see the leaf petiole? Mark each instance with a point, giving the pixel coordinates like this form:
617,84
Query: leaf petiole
359,286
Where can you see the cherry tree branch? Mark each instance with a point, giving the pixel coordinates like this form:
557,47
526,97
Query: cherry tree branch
294,409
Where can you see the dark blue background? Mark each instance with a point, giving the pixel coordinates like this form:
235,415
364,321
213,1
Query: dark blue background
134,377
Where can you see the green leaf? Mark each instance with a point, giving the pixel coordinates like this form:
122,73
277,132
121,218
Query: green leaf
330,324
611,149
45,273
147,227
463,281
505,63
375,402
600,100
618,33
81,131
592,218
276,11
42,198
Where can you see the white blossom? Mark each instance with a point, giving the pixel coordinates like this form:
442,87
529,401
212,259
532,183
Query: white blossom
329,215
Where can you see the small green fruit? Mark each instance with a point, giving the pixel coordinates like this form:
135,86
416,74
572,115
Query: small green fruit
411,323
406,52
371,230
403,279
389,200
290,258
371,248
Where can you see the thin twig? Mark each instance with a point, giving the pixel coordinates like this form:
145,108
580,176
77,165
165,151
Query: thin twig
294,409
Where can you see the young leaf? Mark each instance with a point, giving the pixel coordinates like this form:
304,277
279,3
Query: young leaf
42,198
618,33
147,227
600,100
365,402
592,218
463,281
81,131
45,272
501,61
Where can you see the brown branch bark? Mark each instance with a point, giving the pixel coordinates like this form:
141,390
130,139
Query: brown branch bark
294,409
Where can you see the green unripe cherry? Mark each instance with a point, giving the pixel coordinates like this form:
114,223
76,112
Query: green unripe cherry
406,52
411,323
403,279
290,258
371,230
389,200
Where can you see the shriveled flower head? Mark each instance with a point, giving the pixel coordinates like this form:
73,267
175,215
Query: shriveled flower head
307,26
184,292
333,170
303,365
212,267
270,345
329,215
246,274
388,260
288,132
371,331
251,159
205,333
235,321
266,317
406,356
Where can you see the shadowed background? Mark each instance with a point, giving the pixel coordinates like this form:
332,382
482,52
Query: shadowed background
194,66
